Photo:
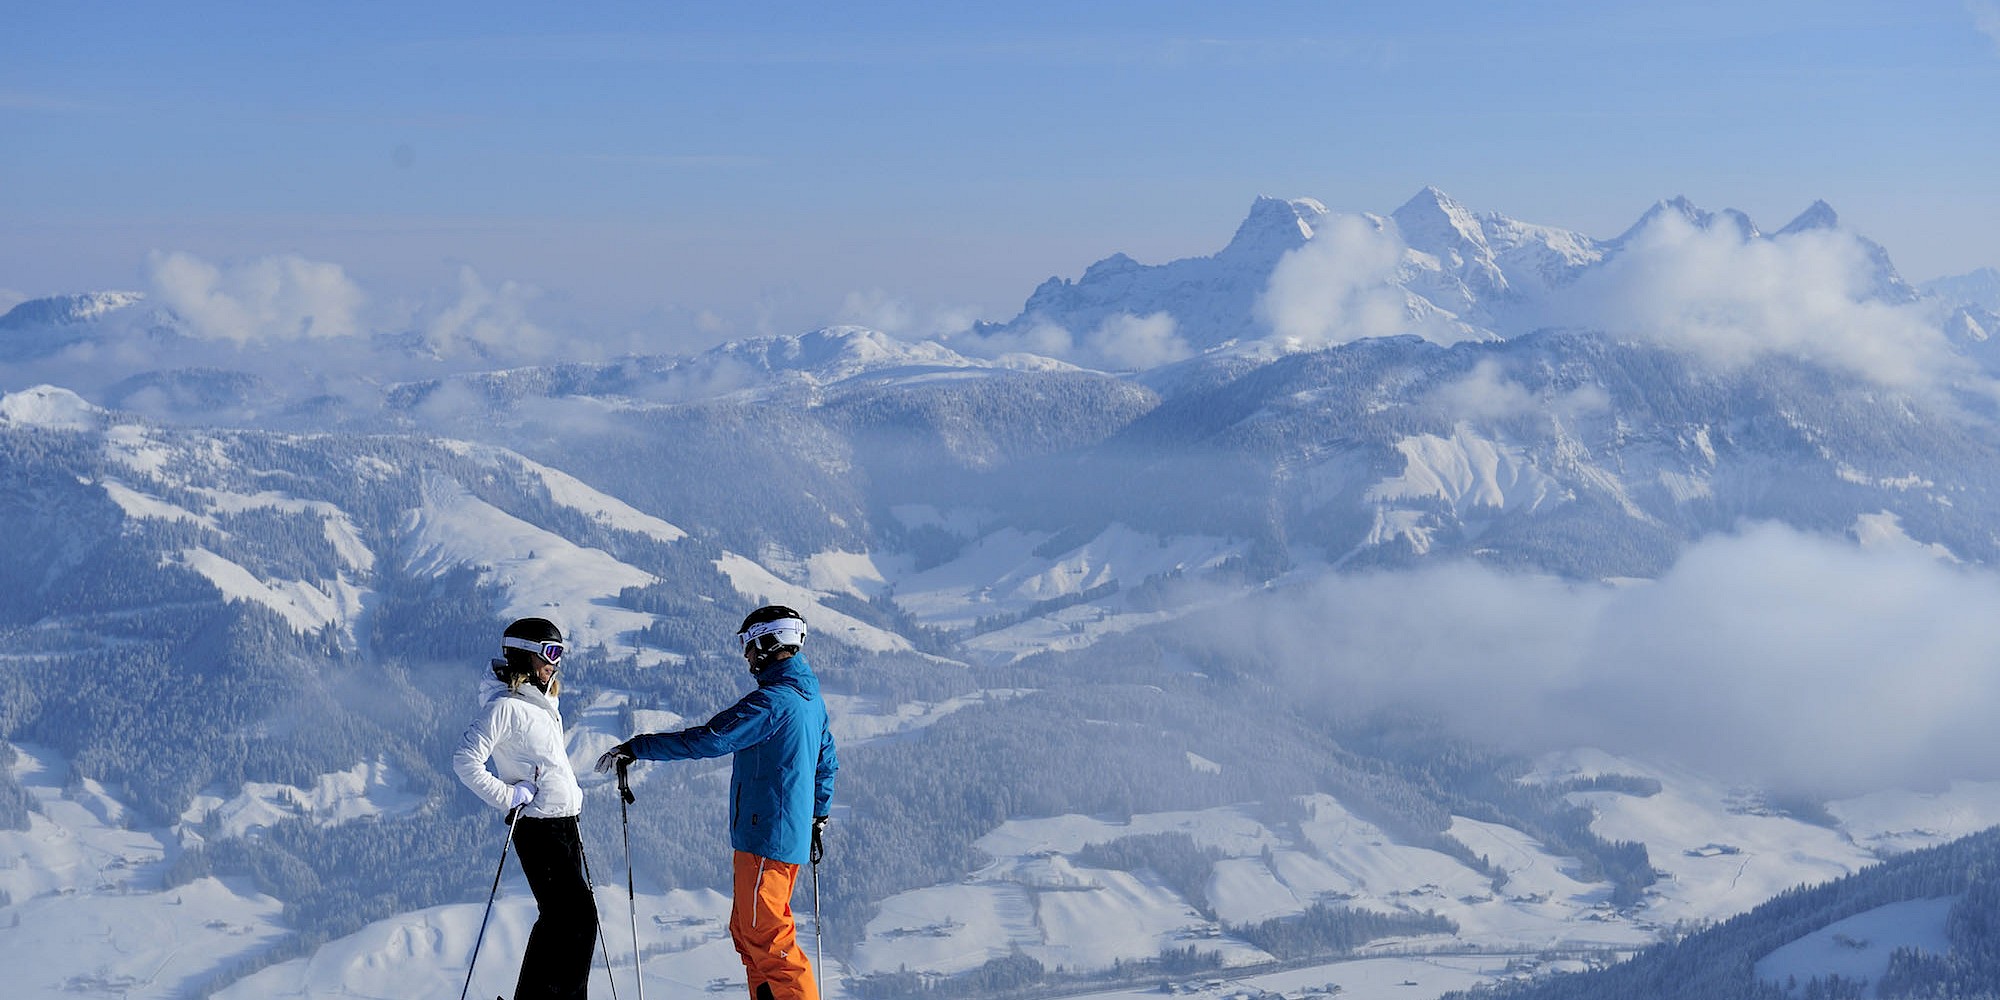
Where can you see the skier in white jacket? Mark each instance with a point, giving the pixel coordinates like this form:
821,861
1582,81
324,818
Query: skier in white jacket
520,731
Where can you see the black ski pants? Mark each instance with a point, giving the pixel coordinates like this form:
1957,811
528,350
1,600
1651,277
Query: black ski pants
557,963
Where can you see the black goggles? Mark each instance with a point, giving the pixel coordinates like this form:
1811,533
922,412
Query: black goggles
550,651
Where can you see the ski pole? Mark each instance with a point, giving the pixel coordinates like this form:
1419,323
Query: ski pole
819,930
481,939
631,893
591,881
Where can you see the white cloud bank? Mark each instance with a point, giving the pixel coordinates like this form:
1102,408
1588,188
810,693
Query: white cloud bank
1732,300
1487,394
1338,286
490,321
1122,342
1799,660
1127,342
277,298
877,309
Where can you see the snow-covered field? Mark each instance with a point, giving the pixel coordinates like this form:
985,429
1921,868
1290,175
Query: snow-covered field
683,941
1859,946
86,912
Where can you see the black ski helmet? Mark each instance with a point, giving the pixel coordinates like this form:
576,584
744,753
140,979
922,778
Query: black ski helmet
523,643
774,631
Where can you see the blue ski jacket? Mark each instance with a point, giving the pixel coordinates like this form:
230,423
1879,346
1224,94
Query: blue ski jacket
782,775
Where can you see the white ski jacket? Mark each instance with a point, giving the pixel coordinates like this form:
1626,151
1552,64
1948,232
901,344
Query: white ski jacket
521,732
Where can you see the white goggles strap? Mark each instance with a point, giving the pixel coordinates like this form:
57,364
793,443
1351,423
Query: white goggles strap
762,629
540,649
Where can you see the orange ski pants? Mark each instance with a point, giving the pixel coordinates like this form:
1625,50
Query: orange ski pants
760,922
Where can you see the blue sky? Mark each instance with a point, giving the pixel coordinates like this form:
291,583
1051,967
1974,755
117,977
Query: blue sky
745,168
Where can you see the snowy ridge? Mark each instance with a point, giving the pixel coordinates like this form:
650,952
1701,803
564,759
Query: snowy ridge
539,569
61,310
50,407
306,606
573,493
1467,472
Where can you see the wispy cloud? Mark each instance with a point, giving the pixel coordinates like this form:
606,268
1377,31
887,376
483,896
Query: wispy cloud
1986,18
490,319
878,309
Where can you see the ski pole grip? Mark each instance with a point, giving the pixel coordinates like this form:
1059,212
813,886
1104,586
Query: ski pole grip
624,786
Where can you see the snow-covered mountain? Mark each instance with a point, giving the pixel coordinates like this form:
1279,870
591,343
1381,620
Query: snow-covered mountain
1137,645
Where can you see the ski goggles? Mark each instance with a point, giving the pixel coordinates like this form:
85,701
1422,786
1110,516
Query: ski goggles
550,651
787,629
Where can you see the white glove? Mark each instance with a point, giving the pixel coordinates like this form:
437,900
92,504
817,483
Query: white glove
524,793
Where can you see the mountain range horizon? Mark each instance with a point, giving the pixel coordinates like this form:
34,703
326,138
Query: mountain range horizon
1317,572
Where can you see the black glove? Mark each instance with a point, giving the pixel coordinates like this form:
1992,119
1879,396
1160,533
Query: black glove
818,848
620,754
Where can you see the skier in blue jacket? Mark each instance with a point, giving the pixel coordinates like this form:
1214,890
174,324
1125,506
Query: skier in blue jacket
780,789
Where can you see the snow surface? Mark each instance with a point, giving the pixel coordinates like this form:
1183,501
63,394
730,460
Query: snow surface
50,408
1467,471
856,720
1001,574
305,606
541,572
368,789
1897,821
1404,978
134,446
683,936
838,572
1035,897
83,903
1884,530
1002,578
1721,849
85,909
338,528
144,506
575,494
1859,946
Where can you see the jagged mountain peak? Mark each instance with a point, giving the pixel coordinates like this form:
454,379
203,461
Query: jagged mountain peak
1695,216
1819,215
1432,219
1275,226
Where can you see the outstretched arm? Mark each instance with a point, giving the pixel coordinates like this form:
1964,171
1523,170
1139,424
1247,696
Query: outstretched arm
744,724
